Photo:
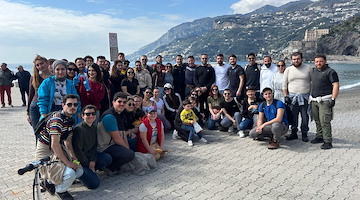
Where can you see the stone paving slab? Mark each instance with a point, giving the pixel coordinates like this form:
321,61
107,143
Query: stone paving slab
228,167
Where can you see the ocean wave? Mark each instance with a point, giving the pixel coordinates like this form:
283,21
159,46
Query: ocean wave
349,86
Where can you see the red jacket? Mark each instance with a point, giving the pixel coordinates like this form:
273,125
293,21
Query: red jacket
94,96
140,146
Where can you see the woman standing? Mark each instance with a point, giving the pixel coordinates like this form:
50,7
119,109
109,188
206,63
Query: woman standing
214,99
53,89
40,72
92,90
172,102
158,79
72,70
168,77
130,85
276,82
117,75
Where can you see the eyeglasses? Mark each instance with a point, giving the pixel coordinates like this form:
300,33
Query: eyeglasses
226,93
119,101
71,69
131,104
72,104
88,114
280,65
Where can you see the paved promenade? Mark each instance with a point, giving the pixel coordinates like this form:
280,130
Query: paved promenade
228,167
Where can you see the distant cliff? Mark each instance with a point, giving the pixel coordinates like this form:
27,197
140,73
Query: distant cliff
344,39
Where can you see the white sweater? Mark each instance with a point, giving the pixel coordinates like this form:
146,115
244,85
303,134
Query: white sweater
297,79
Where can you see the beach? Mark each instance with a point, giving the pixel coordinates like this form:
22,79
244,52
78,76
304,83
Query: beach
228,167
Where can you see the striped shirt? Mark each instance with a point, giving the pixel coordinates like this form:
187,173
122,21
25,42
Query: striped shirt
58,124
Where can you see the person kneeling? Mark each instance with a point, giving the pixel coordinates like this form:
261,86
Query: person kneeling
272,120
151,134
189,122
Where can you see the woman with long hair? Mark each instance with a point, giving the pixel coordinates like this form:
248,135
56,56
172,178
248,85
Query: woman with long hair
91,90
168,77
172,102
118,73
214,99
72,70
52,90
40,72
158,79
130,85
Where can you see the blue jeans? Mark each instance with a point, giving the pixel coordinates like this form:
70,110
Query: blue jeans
247,123
68,178
226,122
103,160
211,123
192,131
120,156
34,114
132,142
295,110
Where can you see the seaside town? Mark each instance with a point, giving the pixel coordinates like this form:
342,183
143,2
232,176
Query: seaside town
106,127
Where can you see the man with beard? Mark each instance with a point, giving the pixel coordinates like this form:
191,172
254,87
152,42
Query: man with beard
252,74
268,69
296,89
221,76
236,77
178,73
144,78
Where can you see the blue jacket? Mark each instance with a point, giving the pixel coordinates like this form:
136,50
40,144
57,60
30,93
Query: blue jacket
46,93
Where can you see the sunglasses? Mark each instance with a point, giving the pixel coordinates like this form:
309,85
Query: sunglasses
88,114
131,104
71,69
280,65
194,94
72,104
166,88
130,72
148,92
215,89
120,101
197,90
226,93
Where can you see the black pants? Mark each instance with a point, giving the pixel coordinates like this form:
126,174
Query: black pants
120,156
23,91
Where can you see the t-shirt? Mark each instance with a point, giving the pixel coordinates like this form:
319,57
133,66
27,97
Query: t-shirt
234,80
322,81
58,124
252,76
221,76
142,128
270,111
131,85
110,123
230,107
215,102
159,104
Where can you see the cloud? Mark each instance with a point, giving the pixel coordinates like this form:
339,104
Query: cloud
246,6
59,33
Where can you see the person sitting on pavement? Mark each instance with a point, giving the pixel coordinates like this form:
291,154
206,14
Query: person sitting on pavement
111,136
151,138
214,100
250,111
85,148
55,140
272,120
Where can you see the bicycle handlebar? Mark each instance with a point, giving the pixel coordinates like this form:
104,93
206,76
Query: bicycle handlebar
33,165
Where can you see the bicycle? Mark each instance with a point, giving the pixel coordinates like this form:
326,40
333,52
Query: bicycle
37,165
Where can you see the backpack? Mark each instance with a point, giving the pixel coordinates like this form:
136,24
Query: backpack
42,123
287,111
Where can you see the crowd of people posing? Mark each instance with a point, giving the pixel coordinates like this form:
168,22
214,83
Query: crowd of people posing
91,116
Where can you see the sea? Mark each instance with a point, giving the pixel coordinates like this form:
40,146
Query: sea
349,73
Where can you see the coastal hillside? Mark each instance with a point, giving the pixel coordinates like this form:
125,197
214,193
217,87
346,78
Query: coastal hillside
266,31
343,39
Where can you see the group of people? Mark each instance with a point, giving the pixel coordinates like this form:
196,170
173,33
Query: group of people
92,117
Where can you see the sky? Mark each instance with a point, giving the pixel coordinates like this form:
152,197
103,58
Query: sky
76,28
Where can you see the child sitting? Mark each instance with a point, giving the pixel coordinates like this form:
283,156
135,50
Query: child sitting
189,122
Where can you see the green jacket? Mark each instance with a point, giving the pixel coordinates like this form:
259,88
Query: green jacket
6,77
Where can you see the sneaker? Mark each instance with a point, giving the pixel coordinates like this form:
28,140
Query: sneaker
109,172
203,140
292,137
326,145
231,129
3,106
175,135
11,105
274,145
23,105
48,187
190,143
241,134
317,140
305,139
65,195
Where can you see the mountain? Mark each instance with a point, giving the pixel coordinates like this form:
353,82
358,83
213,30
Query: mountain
343,39
264,33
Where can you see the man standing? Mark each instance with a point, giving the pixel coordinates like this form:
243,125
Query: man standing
236,76
221,75
144,78
6,78
252,74
55,139
121,56
268,69
23,77
324,90
144,60
272,121
179,76
296,89
111,136
101,61
159,60
80,63
89,60
204,77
